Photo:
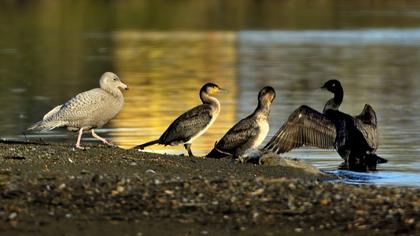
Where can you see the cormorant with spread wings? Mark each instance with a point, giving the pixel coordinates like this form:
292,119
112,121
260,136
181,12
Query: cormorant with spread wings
354,137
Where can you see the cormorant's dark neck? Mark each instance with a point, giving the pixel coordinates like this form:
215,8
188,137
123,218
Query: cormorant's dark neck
338,96
335,102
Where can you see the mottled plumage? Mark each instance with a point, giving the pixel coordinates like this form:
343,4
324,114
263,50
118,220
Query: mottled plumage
193,123
248,133
87,110
354,138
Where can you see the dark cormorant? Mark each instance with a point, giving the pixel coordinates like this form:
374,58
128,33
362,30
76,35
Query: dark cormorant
193,123
248,133
354,137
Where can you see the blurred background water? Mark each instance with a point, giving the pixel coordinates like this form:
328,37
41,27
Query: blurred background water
166,50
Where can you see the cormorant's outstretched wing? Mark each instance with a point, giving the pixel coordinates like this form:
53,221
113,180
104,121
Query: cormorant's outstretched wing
366,123
305,127
187,125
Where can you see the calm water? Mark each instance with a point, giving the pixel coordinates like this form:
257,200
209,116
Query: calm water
47,57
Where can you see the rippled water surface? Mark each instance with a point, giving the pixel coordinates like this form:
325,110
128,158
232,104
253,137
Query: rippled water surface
165,67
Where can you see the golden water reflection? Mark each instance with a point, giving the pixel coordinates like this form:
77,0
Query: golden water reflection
165,72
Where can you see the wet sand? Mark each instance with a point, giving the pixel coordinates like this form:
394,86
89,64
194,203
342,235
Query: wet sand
56,190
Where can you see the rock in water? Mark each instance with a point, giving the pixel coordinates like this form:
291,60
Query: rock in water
262,157
87,110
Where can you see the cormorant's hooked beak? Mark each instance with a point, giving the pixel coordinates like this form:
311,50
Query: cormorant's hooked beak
222,90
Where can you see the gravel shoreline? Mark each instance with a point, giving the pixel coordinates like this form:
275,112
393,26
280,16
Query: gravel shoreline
55,190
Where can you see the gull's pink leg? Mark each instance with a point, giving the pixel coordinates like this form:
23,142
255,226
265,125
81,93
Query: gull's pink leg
101,139
79,138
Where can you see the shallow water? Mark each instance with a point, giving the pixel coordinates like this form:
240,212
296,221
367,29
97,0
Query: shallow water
165,66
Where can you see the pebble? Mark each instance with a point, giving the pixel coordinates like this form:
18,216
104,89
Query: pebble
150,171
169,192
292,186
12,216
62,186
298,230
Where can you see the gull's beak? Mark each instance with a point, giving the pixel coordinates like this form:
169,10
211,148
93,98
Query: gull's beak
124,86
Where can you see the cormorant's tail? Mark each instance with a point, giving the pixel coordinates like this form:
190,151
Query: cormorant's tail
380,160
142,146
373,158
216,154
